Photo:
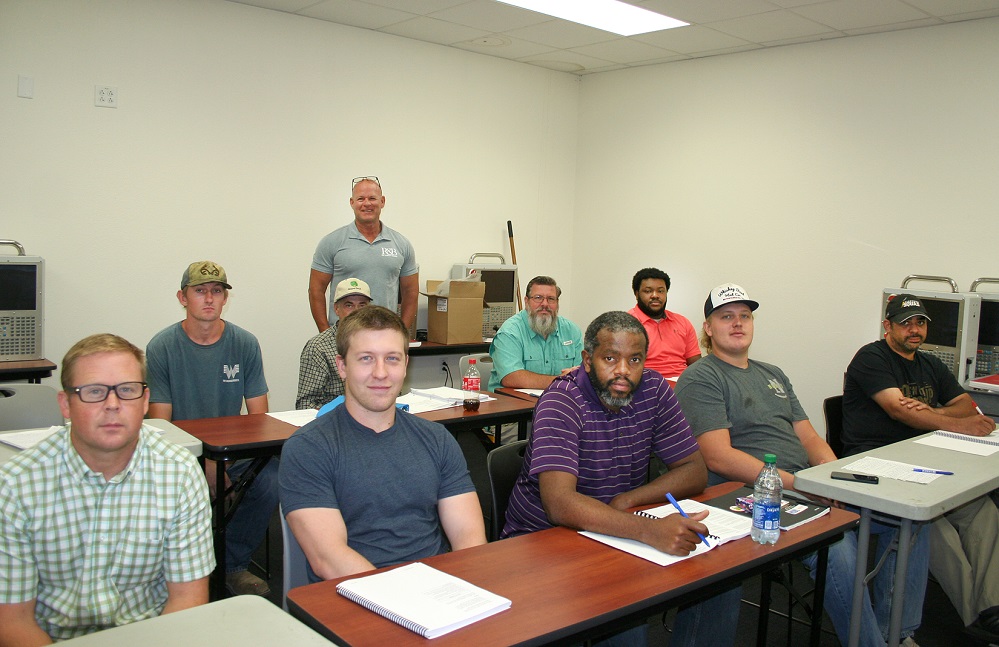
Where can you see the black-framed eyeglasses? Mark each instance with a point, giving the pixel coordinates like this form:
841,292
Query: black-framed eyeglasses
99,392
363,178
539,299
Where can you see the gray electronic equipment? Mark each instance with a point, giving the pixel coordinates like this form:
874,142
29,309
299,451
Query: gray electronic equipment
501,289
21,305
987,357
952,335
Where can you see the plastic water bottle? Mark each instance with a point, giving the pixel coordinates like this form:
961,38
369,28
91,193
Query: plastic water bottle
470,384
766,503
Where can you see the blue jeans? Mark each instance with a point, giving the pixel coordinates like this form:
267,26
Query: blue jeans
249,523
708,623
875,617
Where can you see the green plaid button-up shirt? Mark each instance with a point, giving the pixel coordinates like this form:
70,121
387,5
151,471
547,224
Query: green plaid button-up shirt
97,554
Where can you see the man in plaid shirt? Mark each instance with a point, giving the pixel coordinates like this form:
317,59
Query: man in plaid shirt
318,379
103,523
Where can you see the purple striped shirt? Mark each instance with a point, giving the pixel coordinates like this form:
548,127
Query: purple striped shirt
607,452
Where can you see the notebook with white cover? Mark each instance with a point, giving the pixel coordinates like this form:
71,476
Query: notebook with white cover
423,599
723,526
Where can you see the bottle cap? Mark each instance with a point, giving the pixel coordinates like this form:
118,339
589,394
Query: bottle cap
471,360
770,458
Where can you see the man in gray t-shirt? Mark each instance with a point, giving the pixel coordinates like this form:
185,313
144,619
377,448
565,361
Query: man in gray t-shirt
206,367
368,250
740,409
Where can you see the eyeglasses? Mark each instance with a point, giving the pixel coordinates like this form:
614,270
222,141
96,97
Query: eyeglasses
99,392
538,299
365,178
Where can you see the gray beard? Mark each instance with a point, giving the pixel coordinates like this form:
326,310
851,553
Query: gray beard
541,327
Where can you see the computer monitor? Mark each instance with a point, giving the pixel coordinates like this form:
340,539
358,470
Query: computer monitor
952,334
501,292
21,307
987,359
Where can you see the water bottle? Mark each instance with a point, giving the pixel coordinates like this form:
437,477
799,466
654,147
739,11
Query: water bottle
470,383
766,502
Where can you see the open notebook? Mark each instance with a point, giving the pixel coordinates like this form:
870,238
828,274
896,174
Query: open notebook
723,526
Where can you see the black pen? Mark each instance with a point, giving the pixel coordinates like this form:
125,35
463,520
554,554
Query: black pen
684,515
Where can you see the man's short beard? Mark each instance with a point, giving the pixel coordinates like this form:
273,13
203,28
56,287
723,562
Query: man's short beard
542,328
605,394
648,311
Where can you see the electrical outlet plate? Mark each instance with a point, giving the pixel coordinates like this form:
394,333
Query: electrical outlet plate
105,96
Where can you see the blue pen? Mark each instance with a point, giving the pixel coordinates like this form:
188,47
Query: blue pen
684,514
919,469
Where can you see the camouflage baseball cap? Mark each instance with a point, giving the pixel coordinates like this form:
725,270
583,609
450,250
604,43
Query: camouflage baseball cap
201,272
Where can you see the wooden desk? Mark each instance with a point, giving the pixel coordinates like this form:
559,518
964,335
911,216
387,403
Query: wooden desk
520,395
259,436
245,620
32,370
564,586
974,476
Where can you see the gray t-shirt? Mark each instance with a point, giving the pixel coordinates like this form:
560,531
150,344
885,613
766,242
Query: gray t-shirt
204,381
345,253
756,404
385,485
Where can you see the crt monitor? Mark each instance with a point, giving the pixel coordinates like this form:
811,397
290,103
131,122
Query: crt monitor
21,300
987,359
501,291
952,334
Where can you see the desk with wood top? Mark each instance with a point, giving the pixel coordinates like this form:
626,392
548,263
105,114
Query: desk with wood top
32,370
566,587
260,436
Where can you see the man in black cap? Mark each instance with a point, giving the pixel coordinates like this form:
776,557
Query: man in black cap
894,392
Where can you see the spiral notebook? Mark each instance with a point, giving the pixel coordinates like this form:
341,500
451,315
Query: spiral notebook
723,526
991,439
423,599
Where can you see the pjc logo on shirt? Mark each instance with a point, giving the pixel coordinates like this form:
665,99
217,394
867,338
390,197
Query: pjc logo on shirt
390,251
230,372
777,388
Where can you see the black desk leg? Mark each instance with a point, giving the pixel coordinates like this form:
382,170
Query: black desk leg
819,596
761,625
219,524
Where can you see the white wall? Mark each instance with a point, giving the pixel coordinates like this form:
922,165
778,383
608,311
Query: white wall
237,135
813,175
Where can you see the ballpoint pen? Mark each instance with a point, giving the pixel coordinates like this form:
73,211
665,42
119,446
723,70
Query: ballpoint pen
684,514
929,471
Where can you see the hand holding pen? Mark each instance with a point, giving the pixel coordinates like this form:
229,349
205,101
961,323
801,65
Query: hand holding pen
676,505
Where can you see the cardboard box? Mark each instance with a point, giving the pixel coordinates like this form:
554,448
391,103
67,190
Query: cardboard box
457,318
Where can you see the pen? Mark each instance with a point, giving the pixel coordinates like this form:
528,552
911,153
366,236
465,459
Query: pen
928,471
684,514
979,410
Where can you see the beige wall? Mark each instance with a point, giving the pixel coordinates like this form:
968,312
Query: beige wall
237,135
813,175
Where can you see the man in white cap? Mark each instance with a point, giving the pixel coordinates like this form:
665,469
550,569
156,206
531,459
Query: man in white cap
894,392
318,379
740,409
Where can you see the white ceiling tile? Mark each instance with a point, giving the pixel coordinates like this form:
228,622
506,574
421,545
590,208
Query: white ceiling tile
490,16
503,46
688,40
566,58
943,8
562,34
624,50
878,29
770,26
856,14
290,6
356,14
433,31
420,7
702,11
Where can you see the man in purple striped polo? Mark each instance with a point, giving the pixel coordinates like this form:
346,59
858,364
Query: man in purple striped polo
595,431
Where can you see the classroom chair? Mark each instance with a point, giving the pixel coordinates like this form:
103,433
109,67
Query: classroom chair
294,564
28,406
503,466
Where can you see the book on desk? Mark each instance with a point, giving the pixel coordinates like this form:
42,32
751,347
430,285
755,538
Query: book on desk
423,599
794,510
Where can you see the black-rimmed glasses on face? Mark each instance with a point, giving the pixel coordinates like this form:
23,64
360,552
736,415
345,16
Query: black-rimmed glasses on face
369,178
99,392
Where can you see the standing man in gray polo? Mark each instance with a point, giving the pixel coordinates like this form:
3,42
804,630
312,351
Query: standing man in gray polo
368,250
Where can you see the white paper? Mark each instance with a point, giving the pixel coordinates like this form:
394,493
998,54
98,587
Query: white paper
958,445
297,418
28,437
891,470
535,392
